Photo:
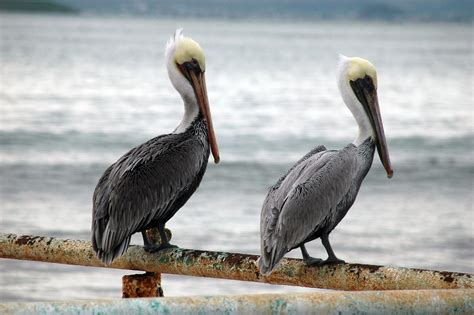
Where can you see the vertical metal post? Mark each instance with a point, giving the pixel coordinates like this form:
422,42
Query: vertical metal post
142,285
146,284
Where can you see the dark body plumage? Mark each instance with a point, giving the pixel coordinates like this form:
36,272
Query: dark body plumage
311,199
146,187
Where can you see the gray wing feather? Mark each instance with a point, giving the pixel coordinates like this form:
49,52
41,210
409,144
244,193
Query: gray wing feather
319,148
140,187
303,201
99,209
273,201
276,190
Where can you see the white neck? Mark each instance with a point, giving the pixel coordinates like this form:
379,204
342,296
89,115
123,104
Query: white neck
191,111
356,108
184,88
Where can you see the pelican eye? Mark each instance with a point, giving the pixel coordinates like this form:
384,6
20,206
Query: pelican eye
193,65
369,83
196,66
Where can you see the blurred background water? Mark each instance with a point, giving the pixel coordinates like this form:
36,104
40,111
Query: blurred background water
76,92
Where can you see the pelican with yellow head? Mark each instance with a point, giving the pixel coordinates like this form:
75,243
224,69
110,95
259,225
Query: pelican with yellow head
145,187
310,200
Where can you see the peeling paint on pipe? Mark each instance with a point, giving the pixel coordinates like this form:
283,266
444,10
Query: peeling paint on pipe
234,266
369,302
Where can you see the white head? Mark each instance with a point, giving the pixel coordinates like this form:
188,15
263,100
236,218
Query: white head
357,81
186,65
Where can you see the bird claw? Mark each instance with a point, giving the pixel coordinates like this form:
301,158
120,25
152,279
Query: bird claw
311,261
331,261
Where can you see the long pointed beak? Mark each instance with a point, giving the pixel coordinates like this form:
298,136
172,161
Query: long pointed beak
200,89
376,120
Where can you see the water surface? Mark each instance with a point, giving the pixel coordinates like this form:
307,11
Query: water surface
77,92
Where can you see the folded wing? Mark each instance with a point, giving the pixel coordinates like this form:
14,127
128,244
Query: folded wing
140,187
304,201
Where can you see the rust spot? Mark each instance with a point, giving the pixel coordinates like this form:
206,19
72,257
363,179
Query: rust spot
257,275
142,285
22,240
237,259
27,240
371,268
447,276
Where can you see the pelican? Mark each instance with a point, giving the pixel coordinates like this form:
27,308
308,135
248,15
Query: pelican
315,194
152,181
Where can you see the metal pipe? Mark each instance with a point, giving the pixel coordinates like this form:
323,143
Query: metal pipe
234,266
368,302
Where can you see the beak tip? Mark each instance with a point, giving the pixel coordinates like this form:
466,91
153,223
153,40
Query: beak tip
390,173
217,160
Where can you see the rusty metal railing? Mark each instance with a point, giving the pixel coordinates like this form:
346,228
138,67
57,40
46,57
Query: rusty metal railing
430,285
354,277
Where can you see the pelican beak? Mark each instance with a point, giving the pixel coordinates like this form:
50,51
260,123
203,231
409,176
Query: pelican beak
198,81
367,94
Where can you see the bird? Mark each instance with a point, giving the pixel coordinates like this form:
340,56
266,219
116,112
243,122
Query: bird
145,187
315,194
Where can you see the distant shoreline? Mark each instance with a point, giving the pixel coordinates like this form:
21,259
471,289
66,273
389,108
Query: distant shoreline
365,13
271,20
36,7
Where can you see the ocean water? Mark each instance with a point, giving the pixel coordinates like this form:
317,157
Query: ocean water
76,92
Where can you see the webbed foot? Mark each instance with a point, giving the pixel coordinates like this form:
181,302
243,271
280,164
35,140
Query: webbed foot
331,261
311,261
307,259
